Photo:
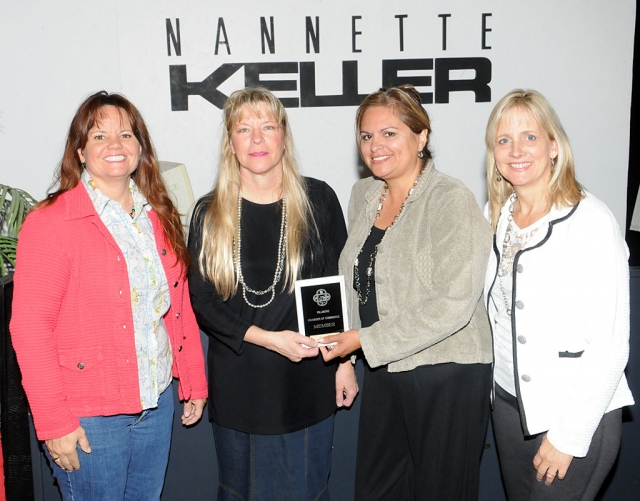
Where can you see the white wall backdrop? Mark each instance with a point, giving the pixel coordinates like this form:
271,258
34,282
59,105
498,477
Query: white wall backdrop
578,53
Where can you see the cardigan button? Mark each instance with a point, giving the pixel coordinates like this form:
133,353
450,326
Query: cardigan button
80,366
175,284
178,315
179,348
164,252
380,280
383,311
519,268
519,305
526,378
522,340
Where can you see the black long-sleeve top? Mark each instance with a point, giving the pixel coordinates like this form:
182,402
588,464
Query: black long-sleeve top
253,389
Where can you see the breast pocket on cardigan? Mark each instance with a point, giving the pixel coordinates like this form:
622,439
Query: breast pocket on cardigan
84,371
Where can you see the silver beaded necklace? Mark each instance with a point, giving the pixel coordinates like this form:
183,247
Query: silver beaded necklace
515,239
503,272
282,250
372,256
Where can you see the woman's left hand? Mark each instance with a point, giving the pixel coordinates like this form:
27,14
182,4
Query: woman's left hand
346,343
193,411
346,384
550,462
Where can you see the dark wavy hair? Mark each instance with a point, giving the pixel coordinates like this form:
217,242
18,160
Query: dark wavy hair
146,176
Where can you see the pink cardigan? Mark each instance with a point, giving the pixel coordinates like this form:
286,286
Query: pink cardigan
72,325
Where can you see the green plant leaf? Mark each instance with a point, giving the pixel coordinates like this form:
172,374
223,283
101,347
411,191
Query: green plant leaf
15,204
7,254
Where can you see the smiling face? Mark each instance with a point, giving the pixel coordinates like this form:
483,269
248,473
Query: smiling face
523,151
257,141
388,147
112,151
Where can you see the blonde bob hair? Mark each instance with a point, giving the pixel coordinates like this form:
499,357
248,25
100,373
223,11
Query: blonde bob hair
563,189
220,223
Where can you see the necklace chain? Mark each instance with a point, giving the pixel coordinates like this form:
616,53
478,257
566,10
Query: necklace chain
372,256
282,250
507,240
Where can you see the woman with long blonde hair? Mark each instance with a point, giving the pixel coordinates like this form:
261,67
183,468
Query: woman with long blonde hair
261,228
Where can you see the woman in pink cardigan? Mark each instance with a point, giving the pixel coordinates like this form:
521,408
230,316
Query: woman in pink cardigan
102,319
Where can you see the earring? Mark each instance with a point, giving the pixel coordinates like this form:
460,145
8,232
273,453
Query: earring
553,165
420,154
499,177
84,165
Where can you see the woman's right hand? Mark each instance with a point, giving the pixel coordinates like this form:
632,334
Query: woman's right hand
340,345
63,450
289,344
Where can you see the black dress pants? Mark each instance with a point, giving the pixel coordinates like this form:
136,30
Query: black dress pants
421,433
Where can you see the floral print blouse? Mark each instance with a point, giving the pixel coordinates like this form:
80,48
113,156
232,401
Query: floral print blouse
149,289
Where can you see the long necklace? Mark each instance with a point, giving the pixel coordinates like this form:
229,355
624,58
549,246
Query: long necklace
372,257
515,240
503,271
282,250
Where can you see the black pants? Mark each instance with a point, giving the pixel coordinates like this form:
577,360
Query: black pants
516,452
421,433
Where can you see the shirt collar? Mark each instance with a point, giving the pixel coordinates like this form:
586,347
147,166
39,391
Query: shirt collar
100,201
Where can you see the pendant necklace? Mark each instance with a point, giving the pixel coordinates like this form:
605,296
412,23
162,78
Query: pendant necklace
282,249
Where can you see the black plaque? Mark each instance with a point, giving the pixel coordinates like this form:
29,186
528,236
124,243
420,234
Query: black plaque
321,305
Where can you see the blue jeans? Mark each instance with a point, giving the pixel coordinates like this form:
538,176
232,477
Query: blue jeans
128,459
289,467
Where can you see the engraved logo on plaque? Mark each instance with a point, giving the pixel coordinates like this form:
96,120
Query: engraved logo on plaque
321,297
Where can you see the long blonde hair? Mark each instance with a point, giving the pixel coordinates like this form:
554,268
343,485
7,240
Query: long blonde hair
220,223
563,188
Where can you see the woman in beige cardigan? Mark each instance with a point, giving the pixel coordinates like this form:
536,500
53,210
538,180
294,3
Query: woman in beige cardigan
414,265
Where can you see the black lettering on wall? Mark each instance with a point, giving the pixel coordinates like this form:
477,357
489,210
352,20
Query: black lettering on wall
401,18
313,35
354,33
252,72
441,81
173,38
444,29
485,30
479,85
349,97
219,41
181,89
390,77
268,36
